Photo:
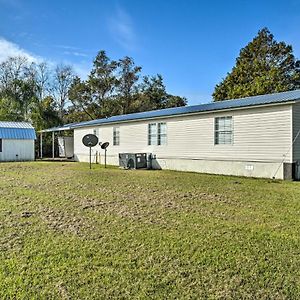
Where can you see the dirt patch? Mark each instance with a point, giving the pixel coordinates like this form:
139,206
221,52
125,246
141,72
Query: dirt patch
64,222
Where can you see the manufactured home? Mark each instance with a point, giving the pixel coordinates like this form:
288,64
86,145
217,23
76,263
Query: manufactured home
255,136
16,141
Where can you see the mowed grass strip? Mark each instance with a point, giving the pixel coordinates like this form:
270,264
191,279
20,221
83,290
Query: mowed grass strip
67,232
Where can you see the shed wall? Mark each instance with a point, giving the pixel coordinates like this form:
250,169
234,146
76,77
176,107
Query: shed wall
17,150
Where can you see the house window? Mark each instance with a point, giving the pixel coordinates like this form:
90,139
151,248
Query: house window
162,134
116,136
0,145
96,132
152,134
157,134
223,131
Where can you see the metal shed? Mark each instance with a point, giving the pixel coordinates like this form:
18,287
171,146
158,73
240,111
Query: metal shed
16,141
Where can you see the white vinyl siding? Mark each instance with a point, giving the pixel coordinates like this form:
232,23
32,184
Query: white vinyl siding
116,136
261,134
223,130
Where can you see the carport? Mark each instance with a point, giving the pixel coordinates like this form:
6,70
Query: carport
62,144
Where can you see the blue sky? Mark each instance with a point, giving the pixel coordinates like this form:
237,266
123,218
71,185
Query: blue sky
193,44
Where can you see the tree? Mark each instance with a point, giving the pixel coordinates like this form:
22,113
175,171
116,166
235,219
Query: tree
264,66
114,88
102,78
175,101
45,114
127,83
24,93
17,89
80,95
92,96
41,75
153,95
63,78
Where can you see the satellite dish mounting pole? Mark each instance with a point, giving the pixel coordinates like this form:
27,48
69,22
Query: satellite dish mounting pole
104,146
90,140
90,157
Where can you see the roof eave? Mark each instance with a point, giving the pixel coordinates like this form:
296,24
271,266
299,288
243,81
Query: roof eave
186,114
54,129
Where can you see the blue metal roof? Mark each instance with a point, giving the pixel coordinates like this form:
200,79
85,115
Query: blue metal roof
209,107
17,130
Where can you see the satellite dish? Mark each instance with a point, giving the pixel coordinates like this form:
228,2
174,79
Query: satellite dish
90,140
104,145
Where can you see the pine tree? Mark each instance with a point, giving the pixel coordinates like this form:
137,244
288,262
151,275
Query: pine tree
264,66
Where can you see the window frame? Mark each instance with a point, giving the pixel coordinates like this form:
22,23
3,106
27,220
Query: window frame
224,131
160,134
116,136
1,144
95,131
152,136
155,137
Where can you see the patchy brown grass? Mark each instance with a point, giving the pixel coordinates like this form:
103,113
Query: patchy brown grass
70,233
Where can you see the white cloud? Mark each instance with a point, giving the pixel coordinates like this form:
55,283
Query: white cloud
82,70
66,47
76,53
8,49
121,27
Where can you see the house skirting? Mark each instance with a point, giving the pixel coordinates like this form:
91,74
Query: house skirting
223,167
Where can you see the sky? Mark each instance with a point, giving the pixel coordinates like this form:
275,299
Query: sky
192,44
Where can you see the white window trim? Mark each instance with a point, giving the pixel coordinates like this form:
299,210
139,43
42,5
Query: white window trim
116,129
232,131
157,134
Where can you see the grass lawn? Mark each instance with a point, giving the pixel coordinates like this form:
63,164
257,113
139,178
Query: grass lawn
70,233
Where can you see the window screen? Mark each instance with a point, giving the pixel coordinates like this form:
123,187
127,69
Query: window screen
152,134
223,131
162,134
116,136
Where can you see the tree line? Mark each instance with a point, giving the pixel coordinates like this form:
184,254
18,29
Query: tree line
50,96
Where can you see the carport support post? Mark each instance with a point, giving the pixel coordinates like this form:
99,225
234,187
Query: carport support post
41,145
53,145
